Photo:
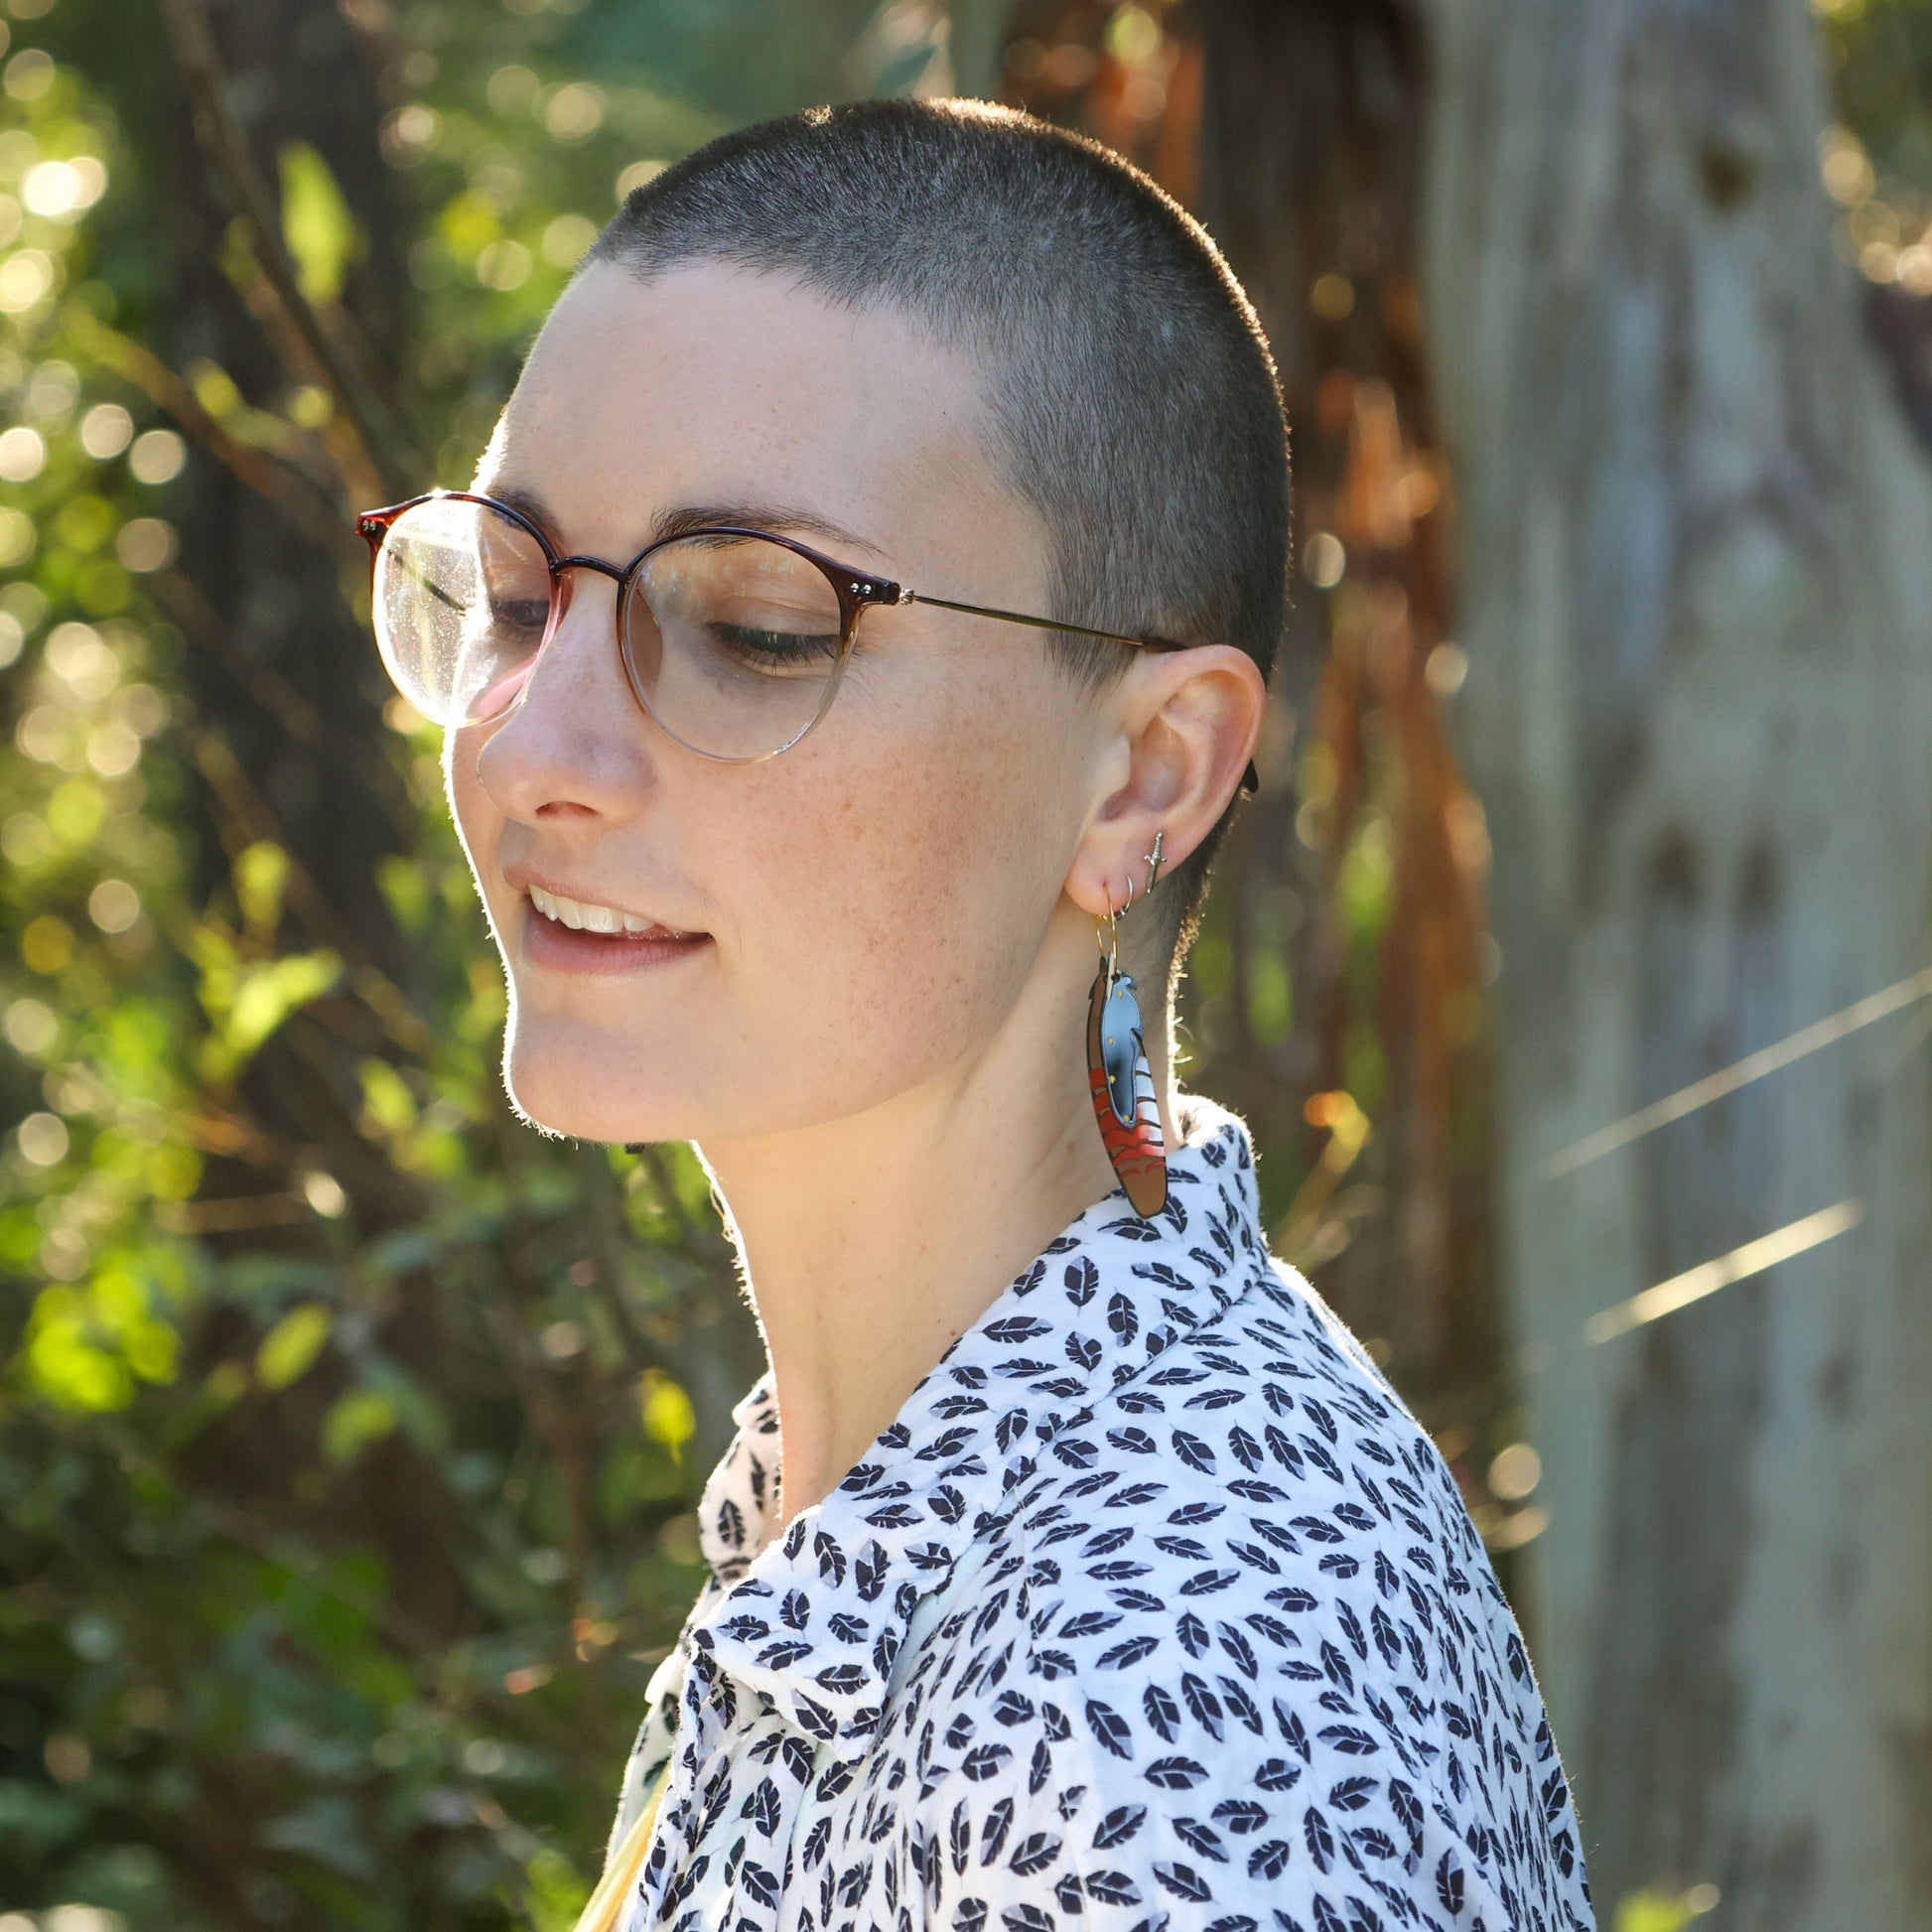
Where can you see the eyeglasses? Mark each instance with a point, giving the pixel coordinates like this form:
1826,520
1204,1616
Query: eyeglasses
734,641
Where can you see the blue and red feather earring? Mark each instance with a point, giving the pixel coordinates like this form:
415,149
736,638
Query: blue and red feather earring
1118,1075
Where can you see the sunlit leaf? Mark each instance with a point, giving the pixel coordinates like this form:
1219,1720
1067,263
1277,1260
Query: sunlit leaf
666,1411
355,1420
261,873
292,1345
1655,1912
266,995
316,223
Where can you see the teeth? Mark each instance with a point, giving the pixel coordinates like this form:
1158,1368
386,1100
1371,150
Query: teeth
583,917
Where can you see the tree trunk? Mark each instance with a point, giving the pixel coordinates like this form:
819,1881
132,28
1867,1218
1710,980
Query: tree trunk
1698,612
1311,139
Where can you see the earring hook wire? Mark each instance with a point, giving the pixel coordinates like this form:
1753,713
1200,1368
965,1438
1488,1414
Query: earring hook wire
1109,940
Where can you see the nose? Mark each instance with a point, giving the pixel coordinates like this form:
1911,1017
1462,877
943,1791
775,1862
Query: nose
574,744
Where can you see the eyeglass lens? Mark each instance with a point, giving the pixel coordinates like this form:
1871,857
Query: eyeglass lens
733,644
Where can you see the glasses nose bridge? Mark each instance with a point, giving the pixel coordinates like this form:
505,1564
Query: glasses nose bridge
560,587
560,570
617,573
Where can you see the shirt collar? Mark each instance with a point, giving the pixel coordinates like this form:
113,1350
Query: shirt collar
814,1619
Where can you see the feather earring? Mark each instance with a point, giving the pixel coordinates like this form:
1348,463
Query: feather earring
1118,1075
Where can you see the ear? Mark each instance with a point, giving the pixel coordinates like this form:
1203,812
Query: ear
1182,729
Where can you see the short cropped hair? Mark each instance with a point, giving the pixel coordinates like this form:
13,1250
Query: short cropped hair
1132,399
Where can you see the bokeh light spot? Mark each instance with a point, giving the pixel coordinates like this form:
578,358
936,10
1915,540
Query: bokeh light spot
1515,1472
157,457
32,1027
565,241
574,112
503,265
29,74
1332,297
24,278
636,175
105,431
22,454
1446,669
43,1140
114,905
1323,560
146,543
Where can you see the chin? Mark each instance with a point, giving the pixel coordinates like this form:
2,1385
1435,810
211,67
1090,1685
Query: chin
592,1088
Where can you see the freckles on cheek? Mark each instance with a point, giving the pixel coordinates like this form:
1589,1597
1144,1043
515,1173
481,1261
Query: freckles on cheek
911,885
856,862
885,891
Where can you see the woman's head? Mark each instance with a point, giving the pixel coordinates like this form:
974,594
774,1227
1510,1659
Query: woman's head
951,347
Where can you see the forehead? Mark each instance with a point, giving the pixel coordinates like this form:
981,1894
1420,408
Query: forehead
712,384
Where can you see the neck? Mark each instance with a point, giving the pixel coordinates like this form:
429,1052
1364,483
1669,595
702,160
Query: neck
872,1241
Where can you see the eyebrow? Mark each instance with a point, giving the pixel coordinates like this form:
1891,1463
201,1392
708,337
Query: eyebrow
683,519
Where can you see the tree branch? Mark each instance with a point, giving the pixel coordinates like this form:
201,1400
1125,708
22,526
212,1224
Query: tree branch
289,490
340,360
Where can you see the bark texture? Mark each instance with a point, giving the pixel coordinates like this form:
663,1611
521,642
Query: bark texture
1697,610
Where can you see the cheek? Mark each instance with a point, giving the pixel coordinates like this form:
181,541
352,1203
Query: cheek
478,824
915,874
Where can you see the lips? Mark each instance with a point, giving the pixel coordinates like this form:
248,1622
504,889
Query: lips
589,915
551,946
581,936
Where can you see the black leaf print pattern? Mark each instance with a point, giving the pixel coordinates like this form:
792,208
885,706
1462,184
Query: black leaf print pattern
1112,1732
1321,1839
1112,1888
1163,1713
1200,1839
1154,1611
993,1834
1268,1860
1034,1854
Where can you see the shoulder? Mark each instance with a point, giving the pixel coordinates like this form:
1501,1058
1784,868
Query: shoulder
1241,1653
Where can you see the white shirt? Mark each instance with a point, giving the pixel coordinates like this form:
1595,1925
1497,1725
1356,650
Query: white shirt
1154,1608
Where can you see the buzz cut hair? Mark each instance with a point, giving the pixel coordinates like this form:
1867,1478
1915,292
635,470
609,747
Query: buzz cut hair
1132,401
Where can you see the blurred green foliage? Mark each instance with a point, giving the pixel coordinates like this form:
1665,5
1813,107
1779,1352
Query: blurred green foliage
342,1522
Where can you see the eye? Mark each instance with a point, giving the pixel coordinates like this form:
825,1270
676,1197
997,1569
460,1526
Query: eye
774,645
526,614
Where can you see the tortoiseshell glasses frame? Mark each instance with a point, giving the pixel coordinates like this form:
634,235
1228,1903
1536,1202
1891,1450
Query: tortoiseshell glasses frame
856,592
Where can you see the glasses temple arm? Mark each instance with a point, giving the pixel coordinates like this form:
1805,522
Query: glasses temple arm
1250,778
1037,624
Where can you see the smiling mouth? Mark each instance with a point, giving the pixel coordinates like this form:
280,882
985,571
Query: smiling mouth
581,915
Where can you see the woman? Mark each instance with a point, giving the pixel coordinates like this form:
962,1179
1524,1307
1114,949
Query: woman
865,602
